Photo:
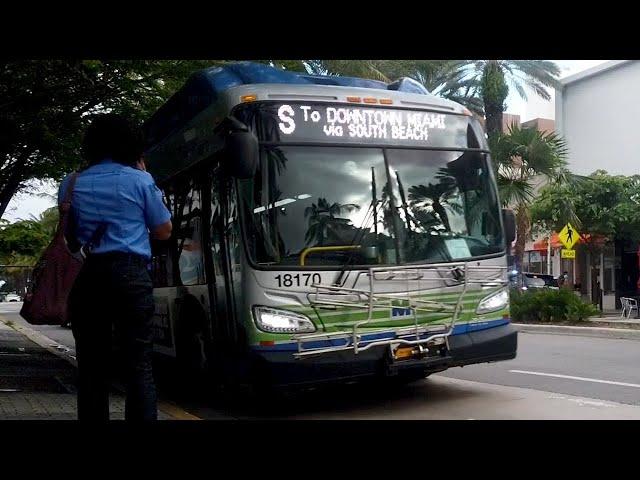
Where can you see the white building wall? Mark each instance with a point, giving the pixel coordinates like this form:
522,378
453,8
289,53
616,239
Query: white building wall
599,115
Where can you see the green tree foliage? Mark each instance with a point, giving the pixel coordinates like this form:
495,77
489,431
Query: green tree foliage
21,245
25,237
24,241
548,305
599,205
45,105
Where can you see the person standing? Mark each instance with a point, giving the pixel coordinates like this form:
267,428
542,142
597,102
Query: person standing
117,206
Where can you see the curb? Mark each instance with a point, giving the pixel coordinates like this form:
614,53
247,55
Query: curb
42,341
45,342
621,333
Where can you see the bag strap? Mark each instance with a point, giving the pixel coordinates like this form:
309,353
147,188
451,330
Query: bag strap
65,206
94,241
69,193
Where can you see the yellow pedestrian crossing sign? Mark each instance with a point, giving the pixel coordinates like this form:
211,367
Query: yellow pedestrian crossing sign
569,236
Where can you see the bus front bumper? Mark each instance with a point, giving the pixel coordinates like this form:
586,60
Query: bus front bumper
280,367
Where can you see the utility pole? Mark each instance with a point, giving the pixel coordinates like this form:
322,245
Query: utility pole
549,254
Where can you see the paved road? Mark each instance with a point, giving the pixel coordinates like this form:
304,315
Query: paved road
554,376
600,368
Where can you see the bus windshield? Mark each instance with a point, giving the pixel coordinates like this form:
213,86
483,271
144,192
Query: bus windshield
324,206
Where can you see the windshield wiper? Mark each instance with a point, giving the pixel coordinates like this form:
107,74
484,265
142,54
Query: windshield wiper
364,226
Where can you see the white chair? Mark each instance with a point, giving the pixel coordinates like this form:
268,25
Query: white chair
632,304
623,302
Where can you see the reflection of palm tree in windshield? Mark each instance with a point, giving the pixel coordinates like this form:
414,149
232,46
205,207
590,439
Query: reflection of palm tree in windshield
324,224
278,159
275,212
388,214
263,122
439,197
471,201
405,207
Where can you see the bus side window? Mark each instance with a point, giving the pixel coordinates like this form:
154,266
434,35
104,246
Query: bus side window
161,257
216,229
189,237
232,227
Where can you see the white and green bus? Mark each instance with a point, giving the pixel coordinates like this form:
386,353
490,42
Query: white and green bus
326,228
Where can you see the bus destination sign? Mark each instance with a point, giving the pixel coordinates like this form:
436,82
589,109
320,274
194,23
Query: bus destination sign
320,123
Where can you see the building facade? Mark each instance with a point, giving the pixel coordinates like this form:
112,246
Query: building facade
596,113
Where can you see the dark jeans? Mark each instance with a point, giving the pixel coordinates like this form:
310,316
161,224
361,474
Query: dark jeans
113,293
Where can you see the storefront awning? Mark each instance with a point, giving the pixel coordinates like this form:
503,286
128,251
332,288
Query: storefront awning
541,245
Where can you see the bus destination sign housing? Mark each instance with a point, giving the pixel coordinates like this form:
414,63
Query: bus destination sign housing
322,123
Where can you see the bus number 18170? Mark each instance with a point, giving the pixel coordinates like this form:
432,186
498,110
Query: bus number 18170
298,280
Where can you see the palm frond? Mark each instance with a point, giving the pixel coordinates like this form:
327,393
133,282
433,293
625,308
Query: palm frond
514,191
513,82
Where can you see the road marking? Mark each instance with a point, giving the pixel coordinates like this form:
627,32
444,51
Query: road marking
582,402
583,379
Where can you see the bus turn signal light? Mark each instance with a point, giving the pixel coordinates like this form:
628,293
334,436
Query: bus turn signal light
248,98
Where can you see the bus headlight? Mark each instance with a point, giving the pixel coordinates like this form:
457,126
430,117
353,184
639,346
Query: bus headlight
282,321
493,302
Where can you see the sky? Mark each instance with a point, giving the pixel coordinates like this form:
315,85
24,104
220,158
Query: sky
24,205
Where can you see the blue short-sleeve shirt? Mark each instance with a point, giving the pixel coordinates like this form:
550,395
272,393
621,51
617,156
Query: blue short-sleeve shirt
126,199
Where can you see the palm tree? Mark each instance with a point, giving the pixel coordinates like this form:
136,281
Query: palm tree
446,78
494,77
372,69
48,220
480,85
522,157
438,196
323,220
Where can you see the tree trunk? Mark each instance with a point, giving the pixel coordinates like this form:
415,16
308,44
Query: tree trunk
494,93
9,189
523,225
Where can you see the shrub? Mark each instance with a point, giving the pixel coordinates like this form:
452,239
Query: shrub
548,305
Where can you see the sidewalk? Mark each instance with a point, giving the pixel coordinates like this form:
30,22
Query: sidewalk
37,384
616,319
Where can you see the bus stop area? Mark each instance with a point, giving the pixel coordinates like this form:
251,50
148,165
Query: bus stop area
37,382
38,375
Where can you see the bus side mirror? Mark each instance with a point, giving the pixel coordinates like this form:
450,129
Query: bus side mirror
509,220
241,149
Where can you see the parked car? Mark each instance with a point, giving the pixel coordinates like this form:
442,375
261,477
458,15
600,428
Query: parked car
526,281
12,297
534,281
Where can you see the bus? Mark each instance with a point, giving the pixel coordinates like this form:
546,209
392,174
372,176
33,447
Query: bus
326,229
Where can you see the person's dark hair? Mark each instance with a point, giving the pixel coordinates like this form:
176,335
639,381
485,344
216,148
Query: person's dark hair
113,136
